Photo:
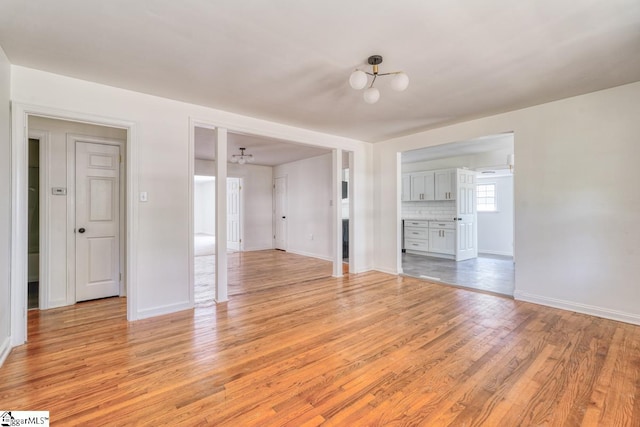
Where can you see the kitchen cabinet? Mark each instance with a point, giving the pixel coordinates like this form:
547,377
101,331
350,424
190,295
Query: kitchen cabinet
442,237
422,186
406,187
416,235
429,185
445,184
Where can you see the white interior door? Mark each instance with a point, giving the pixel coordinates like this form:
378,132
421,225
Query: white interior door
97,230
233,213
466,218
281,213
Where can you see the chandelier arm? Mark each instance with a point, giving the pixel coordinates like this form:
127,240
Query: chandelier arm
375,76
391,73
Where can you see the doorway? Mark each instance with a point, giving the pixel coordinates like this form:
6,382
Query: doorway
441,242
33,224
204,238
81,205
56,294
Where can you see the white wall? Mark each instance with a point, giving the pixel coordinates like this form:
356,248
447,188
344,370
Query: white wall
5,206
162,146
256,199
576,199
472,161
58,233
204,207
495,229
309,216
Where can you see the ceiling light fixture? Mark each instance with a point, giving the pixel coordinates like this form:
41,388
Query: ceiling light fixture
358,80
242,158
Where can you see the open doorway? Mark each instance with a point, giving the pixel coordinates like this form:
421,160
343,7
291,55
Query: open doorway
457,209
76,204
33,224
204,239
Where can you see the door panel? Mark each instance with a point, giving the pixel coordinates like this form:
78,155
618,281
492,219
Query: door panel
466,218
97,221
281,213
233,213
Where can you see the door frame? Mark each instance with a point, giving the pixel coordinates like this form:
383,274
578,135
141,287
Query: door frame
72,140
19,207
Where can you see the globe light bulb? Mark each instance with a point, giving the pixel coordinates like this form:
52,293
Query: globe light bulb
371,95
358,80
400,82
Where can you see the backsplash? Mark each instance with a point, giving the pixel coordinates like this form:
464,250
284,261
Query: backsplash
441,209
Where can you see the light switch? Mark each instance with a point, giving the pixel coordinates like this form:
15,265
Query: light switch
143,196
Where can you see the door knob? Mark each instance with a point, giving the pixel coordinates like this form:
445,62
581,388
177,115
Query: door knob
81,230
284,217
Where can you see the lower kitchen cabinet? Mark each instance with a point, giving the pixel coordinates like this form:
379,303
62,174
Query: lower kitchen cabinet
442,241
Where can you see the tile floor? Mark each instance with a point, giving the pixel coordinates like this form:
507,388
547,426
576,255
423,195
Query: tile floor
493,273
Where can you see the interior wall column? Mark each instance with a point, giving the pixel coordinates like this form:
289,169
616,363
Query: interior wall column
221,216
336,203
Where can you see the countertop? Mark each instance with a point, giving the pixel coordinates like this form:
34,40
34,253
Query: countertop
426,219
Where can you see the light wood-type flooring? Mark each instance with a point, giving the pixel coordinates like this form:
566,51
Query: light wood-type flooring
296,347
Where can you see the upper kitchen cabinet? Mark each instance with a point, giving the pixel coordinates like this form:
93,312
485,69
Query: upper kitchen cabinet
422,186
406,187
445,184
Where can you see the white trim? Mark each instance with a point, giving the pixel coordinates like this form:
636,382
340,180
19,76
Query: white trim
190,190
282,132
489,252
19,188
592,310
310,255
383,270
257,248
164,309
5,349
336,173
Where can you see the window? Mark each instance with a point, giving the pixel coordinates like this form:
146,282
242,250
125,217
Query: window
486,198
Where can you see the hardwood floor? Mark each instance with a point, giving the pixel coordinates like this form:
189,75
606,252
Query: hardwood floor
296,347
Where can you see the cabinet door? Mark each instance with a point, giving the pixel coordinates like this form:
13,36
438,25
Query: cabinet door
417,187
422,186
442,241
406,188
449,242
435,240
445,185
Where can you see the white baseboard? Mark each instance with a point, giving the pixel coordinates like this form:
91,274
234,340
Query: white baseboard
257,248
385,270
165,309
310,255
495,253
5,349
592,310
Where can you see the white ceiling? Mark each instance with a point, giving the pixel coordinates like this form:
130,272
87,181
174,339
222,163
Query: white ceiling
265,151
289,60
